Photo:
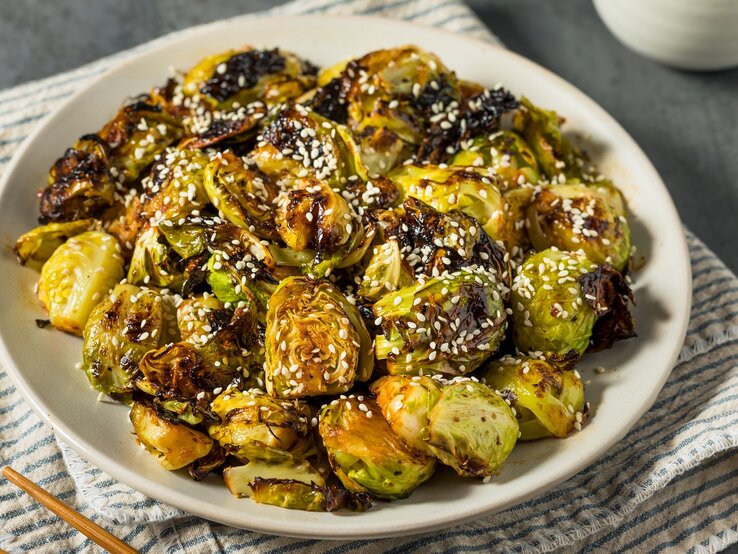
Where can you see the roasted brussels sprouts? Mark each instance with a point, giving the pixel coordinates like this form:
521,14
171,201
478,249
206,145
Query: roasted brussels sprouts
316,341
239,77
433,243
448,324
121,329
506,153
80,183
471,429
301,143
175,445
454,188
406,402
366,454
243,195
37,245
577,216
154,262
547,401
386,272
549,310
76,277
314,217
136,136
557,158
184,380
254,426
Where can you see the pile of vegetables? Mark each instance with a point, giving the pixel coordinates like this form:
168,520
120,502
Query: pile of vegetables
322,284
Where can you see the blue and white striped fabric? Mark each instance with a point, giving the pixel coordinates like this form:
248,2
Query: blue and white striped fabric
669,485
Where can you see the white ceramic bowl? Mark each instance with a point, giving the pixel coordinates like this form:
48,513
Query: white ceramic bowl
687,34
41,363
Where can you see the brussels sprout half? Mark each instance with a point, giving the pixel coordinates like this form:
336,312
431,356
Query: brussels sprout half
366,454
406,402
316,341
175,445
548,401
577,216
448,324
549,310
37,245
471,429
386,272
121,329
254,426
76,277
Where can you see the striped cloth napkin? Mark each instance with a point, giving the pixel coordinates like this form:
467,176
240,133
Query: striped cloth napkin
669,485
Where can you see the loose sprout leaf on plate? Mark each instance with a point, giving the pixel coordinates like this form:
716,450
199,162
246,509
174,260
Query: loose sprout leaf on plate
320,284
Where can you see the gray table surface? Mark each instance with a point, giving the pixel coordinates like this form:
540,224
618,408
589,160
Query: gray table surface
686,122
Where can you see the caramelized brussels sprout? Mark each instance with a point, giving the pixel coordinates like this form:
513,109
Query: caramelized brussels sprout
471,429
291,484
448,324
506,153
549,308
186,235
406,402
243,195
174,445
301,143
154,262
386,272
453,188
541,130
80,183
137,134
547,401
316,341
37,245
185,379
76,276
578,216
241,268
240,77
254,426
314,217
366,454
121,329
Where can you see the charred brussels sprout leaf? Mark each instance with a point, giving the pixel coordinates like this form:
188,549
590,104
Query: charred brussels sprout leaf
406,402
548,401
506,152
254,426
471,429
243,195
366,454
447,324
314,218
316,341
577,216
550,312
541,130
76,276
174,445
37,245
80,183
120,330
301,143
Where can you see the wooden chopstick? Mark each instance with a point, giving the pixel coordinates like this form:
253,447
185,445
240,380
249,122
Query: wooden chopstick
84,525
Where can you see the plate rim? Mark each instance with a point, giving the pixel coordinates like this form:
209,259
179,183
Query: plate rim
276,526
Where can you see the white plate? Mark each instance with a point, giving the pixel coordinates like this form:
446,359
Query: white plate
41,363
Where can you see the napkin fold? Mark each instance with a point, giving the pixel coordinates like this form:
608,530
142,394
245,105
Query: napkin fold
669,484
